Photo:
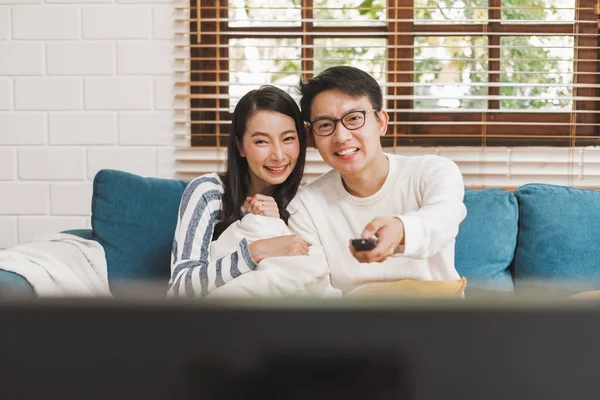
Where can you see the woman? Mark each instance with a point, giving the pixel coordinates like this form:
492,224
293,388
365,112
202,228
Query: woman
265,163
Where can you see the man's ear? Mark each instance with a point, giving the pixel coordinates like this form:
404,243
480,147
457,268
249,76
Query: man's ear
240,149
310,139
382,120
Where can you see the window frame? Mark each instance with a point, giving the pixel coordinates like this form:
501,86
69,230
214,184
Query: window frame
209,77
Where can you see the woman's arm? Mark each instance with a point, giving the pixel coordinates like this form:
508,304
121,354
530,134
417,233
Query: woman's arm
193,273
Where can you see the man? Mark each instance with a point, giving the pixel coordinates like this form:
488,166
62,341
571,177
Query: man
412,205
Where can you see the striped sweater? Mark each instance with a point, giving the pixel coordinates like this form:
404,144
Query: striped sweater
193,271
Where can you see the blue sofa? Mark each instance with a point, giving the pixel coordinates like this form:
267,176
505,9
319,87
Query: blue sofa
542,232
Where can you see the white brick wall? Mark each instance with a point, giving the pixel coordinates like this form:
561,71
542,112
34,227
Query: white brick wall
47,93
4,23
21,58
22,2
8,166
137,160
5,94
51,164
8,233
80,58
71,198
163,93
162,22
116,22
118,93
45,23
75,128
22,128
154,128
24,198
143,57
84,85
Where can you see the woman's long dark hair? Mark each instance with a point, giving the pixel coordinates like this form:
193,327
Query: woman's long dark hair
237,177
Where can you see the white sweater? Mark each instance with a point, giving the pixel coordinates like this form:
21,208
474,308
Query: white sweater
425,192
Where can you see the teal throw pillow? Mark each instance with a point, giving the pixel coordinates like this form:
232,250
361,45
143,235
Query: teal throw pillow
486,239
559,235
134,219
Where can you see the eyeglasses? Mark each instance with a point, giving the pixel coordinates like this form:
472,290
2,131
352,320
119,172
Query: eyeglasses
351,121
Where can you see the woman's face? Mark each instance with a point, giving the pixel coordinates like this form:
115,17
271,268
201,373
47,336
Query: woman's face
271,147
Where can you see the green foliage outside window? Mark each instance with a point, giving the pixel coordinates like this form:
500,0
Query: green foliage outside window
451,72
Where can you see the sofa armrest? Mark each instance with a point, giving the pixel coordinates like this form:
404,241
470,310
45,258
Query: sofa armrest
14,284
82,233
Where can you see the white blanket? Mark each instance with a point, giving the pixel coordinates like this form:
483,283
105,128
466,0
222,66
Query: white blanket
291,276
60,265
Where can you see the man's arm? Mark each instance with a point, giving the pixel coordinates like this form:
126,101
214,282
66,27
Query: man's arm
422,233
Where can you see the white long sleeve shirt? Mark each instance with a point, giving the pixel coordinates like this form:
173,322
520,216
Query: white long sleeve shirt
425,192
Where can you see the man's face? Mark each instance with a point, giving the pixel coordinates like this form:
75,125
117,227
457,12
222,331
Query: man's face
348,151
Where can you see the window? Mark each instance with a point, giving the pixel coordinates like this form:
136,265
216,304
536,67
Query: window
454,72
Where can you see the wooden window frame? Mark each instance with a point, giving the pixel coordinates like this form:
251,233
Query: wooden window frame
209,77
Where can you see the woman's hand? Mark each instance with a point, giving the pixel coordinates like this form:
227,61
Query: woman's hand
280,246
260,204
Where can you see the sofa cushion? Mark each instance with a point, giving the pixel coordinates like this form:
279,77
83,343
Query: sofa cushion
559,235
486,239
134,219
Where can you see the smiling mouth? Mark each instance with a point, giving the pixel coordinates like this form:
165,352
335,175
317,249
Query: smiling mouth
346,152
276,169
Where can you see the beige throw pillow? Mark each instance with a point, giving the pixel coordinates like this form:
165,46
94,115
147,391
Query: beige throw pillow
589,295
413,288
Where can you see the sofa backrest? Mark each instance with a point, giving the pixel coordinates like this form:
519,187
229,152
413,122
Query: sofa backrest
134,219
486,240
559,236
